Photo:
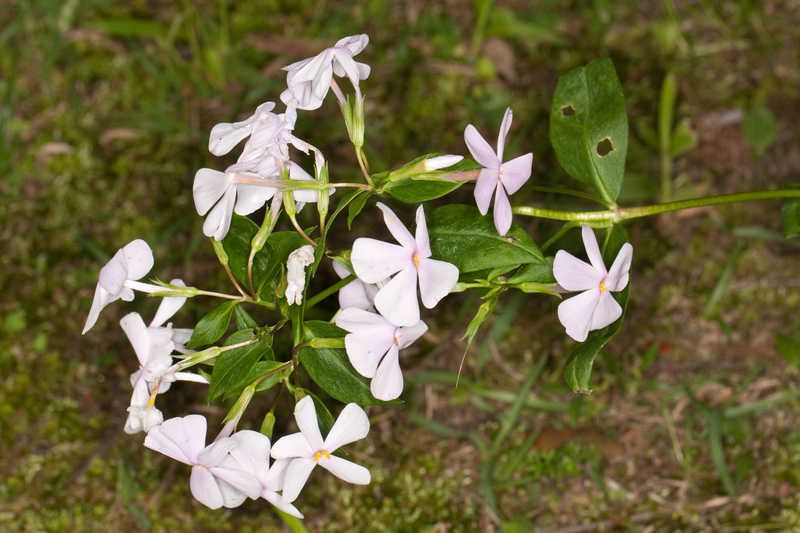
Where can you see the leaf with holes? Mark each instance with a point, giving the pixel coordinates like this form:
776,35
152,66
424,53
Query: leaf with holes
589,126
460,235
578,370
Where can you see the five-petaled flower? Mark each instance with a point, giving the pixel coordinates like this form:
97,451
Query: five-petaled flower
356,293
224,473
595,307
497,178
309,80
118,277
373,347
306,448
410,262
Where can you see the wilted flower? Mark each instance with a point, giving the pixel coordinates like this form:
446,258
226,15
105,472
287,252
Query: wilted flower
296,265
309,80
594,308
374,261
218,479
306,448
373,347
498,178
118,277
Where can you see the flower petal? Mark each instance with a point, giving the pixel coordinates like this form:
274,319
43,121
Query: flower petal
575,313
397,300
181,438
365,350
516,172
502,211
351,425
346,470
305,414
101,299
484,189
592,249
355,320
353,43
607,311
505,126
231,496
291,446
574,274
138,258
617,278
209,186
296,476
436,280
481,150
244,481
136,331
396,227
113,275
422,240
375,260
204,486
275,499
406,336
388,381
218,220
251,198
169,306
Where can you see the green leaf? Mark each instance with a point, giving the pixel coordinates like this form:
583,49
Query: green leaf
232,369
330,368
237,245
212,326
420,189
787,343
578,370
356,205
243,319
790,217
684,138
460,235
759,128
535,273
589,126
277,249
259,369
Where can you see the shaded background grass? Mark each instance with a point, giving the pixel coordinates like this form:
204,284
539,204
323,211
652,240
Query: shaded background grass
105,111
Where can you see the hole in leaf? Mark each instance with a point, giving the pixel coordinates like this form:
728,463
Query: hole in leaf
567,111
604,147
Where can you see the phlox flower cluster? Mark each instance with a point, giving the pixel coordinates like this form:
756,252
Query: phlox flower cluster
379,307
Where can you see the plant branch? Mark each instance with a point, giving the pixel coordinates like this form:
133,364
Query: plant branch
317,298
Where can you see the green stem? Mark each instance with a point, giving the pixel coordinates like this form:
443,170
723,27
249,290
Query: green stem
613,216
317,298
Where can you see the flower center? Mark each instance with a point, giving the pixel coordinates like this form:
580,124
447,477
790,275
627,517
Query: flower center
320,454
603,286
415,259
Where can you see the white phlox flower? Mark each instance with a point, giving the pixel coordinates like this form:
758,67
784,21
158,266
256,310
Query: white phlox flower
441,161
118,278
307,449
373,347
594,308
296,265
409,263
251,454
309,80
219,478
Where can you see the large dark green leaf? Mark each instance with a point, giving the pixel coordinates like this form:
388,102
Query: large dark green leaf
460,235
212,326
589,126
233,368
330,368
578,370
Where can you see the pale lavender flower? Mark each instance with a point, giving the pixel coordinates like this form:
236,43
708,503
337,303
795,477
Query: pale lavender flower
306,448
118,277
309,80
497,178
356,293
219,478
373,347
409,263
595,307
